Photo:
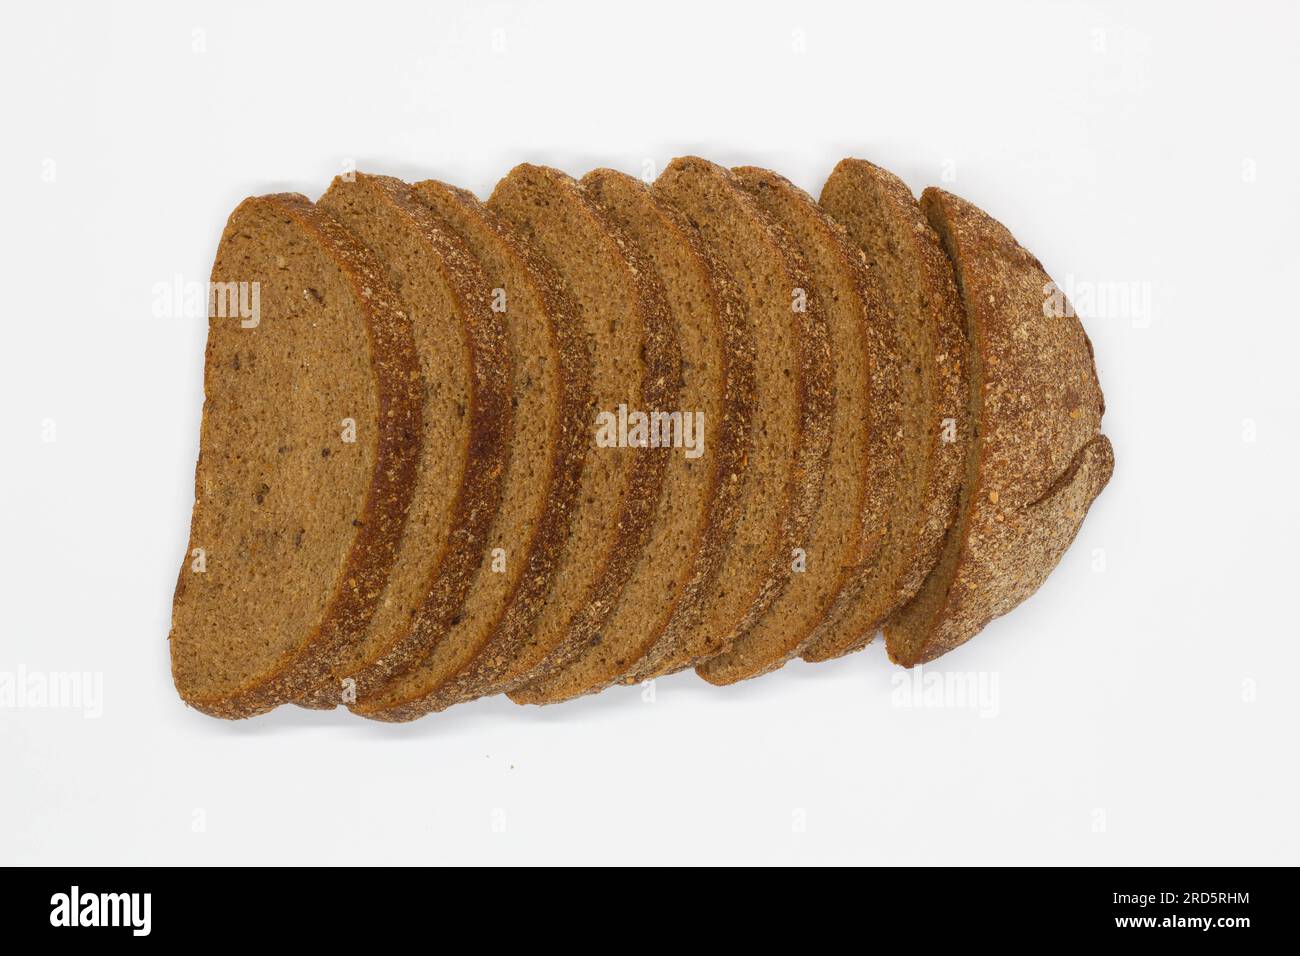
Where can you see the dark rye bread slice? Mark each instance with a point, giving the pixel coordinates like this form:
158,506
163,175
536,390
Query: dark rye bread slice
624,317
781,475
697,508
883,219
466,427
848,526
551,394
307,457
1038,459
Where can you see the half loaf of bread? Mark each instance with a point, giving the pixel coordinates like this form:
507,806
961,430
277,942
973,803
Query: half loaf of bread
596,432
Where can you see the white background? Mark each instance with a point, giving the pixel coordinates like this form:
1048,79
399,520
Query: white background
1146,707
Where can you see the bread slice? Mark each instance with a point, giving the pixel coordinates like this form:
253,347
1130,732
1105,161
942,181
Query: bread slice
466,428
624,318
686,544
1038,459
924,321
306,470
847,528
551,392
781,475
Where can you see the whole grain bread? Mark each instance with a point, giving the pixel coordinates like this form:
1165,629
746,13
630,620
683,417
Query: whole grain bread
847,528
551,392
306,470
466,425
686,544
781,474
924,321
406,496
1038,458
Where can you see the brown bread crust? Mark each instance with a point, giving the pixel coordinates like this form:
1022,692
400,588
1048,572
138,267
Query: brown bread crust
480,482
726,448
803,487
356,592
943,350
561,484
772,643
1039,459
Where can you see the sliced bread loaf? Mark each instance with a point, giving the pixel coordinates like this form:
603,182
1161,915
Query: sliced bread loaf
1038,459
551,393
466,427
780,477
308,450
923,317
849,523
696,509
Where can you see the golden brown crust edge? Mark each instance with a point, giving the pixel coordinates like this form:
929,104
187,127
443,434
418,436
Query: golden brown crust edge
398,386
1039,458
